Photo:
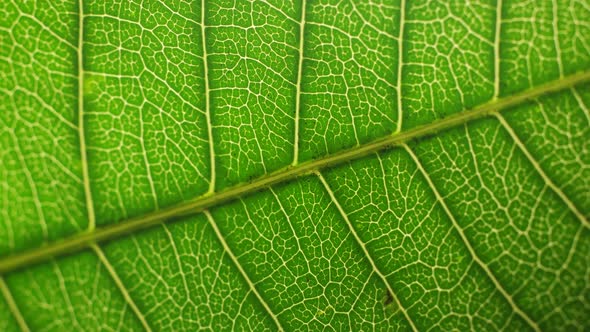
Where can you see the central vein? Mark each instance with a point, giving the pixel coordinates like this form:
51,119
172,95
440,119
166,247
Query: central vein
97,235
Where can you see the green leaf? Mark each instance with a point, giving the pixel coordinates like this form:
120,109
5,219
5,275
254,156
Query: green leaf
294,165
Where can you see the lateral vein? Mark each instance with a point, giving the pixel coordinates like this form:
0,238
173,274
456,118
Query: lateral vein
467,244
20,320
113,273
298,84
541,172
81,133
241,269
208,102
497,48
364,248
400,44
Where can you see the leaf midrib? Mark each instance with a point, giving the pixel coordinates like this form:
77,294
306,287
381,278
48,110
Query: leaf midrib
101,234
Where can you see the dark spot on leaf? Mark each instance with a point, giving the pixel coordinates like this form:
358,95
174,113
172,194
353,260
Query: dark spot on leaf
388,298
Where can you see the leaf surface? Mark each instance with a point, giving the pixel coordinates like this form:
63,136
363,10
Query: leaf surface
294,165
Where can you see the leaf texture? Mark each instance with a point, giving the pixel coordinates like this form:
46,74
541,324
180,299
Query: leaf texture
294,165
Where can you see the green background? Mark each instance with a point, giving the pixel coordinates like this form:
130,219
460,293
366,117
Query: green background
115,110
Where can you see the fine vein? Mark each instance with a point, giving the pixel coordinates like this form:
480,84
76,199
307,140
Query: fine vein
82,240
